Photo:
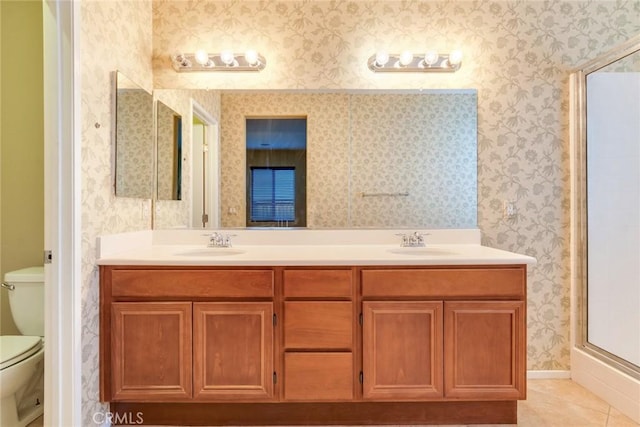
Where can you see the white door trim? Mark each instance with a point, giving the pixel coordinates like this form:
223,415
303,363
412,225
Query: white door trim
213,164
63,357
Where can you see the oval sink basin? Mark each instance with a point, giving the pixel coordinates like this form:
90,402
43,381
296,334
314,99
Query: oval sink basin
420,251
207,252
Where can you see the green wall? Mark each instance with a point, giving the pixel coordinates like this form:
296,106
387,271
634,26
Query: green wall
22,138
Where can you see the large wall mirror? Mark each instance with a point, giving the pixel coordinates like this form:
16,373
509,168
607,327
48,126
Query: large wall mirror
385,159
133,139
373,159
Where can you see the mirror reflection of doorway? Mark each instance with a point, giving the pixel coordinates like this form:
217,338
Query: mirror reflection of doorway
205,176
276,153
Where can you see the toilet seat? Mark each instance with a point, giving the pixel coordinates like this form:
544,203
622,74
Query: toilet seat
16,348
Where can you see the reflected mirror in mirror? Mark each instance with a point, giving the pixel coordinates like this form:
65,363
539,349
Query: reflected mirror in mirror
133,139
383,159
169,151
276,158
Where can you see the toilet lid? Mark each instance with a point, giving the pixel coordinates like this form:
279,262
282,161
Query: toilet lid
16,348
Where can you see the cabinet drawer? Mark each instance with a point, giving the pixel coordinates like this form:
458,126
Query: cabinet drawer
317,283
192,283
318,325
318,376
445,283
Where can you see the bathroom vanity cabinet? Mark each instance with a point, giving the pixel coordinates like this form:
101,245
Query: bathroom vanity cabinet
308,345
183,335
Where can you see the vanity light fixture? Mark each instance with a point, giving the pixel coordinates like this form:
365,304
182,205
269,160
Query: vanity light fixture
406,61
226,60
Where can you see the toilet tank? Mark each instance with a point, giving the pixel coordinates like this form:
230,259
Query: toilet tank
26,300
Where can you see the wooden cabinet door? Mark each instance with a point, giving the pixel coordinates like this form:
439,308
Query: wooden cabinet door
402,350
485,350
151,351
233,351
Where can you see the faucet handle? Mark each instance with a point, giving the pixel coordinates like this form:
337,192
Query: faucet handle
414,239
405,239
226,240
219,240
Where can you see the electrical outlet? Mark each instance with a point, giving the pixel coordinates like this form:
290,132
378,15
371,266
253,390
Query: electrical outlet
508,209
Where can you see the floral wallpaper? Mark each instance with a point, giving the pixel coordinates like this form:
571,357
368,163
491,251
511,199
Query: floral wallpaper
367,143
424,145
115,35
518,55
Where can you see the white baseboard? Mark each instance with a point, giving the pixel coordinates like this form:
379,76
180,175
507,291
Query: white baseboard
616,388
548,375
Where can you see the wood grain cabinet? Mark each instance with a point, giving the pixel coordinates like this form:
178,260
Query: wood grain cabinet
172,335
318,332
457,333
151,350
314,345
402,350
233,350
484,349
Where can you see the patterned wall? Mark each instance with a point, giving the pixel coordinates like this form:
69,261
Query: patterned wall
518,54
424,145
114,36
367,143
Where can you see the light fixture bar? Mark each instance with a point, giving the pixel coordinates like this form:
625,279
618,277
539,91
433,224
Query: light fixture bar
406,62
223,61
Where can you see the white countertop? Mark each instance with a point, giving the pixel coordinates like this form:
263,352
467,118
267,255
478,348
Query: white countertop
300,248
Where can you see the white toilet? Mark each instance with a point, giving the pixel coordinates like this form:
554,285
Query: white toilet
22,356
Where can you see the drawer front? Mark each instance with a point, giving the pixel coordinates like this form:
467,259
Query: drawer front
318,376
192,283
318,325
318,284
445,283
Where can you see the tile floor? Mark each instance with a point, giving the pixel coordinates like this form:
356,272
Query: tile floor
553,403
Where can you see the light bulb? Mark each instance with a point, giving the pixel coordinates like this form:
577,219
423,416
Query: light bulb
406,58
201,57
455,57
431,57
382,58
227,57
252,57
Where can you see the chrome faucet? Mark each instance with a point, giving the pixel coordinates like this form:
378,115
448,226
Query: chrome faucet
412,240
219,240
